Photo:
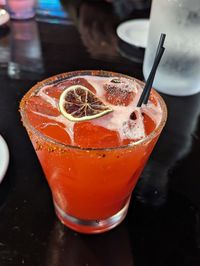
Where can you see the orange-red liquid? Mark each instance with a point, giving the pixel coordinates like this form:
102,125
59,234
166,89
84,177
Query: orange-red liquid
86,184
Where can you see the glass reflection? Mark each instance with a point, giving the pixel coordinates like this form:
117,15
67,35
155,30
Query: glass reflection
4,47
25,49
69,248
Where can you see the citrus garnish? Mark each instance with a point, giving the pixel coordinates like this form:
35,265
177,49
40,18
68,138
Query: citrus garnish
77,103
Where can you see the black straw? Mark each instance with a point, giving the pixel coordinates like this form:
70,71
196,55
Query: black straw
161,42
160,45
146,91
152,75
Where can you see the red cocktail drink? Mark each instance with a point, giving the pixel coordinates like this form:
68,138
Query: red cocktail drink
92,165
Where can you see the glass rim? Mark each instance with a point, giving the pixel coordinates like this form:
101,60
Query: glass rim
61,77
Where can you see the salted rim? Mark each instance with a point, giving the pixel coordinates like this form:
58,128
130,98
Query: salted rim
61,77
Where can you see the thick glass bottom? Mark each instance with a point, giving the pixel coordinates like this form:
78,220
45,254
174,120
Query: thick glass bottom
91,226
22,15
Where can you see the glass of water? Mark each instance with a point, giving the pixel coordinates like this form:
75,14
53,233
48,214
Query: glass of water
179,70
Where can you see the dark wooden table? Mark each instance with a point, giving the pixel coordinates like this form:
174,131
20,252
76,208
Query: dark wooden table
163,223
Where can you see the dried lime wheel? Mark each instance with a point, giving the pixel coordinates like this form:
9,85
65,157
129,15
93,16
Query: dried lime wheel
77,103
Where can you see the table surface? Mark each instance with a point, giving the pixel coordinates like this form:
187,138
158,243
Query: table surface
162,226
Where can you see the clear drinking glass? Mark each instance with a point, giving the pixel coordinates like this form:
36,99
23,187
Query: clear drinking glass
21,9
91,187
178,72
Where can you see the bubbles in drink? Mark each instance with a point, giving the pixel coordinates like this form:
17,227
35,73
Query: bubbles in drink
125,124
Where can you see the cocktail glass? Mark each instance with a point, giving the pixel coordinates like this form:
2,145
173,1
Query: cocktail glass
91,187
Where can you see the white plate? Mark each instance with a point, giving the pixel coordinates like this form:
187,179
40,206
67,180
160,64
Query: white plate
4,16
4,158
134,32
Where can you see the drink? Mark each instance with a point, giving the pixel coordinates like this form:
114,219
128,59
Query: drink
92,166
2,2
21,9
178,72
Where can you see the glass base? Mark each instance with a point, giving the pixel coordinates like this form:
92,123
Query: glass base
91,226
22,15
